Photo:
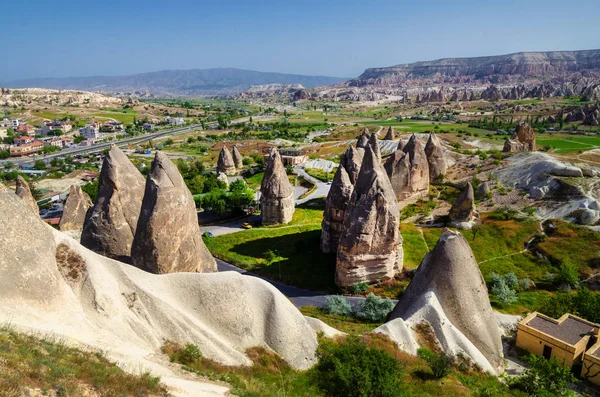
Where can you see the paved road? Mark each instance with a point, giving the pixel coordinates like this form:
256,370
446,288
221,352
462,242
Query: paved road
28,161
322,187
300,297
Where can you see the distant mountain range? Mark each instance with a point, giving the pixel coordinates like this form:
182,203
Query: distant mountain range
178,82
511,68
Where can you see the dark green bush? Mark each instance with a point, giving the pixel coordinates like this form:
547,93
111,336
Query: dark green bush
544,378
353,369
440,364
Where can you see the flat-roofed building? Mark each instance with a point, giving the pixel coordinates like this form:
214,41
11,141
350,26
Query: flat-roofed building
565,339
590,370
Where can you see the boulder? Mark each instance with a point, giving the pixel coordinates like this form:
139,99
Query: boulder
448,292
167,238
522,140
336,204
221,177
390,134
483,190
408,170
24,192
435,158
225,162
351,160
370,247
463,213
74,211
566,170
277,195
238,159
110,224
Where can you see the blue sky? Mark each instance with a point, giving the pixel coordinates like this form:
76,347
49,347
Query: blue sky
43,38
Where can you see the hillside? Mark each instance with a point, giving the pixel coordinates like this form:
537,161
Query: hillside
180,82
491,69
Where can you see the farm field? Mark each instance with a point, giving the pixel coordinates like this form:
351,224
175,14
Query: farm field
565,143
425,126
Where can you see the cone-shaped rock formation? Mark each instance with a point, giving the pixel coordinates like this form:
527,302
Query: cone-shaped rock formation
522,140
335,208
351,161
408,170
168,238
363,139
463,213
370,246
277,195
238,159
74,210
24,192
374,144
225,162
110,224
390,135
449,292
435,157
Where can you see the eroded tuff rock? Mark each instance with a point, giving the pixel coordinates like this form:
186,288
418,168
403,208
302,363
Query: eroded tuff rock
370,247
408,170
363,139
110,224
522,140
336,204
24,192
374,144
167,238
74,210
52,284
449,293
277,198
435,158
238,159
390,135
225,162
463,213
351,160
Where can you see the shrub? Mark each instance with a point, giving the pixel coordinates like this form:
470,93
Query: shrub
336,304
544,378
504,294
353,369
359,288
374,309
439,364
567,276
511,280
525,284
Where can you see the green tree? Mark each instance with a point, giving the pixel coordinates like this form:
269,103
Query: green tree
439,364
39,165
545,378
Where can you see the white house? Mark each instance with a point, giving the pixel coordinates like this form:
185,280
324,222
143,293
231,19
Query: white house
175,120
90,131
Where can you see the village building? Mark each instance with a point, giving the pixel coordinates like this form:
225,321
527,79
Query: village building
90,131
23,140
292,156
26,149
174,120
590,369
565,339
26,129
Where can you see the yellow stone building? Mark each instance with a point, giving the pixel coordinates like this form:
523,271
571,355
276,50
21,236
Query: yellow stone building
565,339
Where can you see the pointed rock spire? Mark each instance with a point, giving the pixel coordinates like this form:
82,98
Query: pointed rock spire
24,192
522,140
463,213
370,246
336,204
390,135
363,139
351,160
408,170
74,210
225,162
449,292
167,238
374,143
110,224
277,198
238,159
435,157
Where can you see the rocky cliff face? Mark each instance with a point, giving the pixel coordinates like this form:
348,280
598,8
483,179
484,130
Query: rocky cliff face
370,248
167,238
492,69
110,224
449,293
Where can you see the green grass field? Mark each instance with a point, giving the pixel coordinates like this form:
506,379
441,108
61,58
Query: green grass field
565,143
408,126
